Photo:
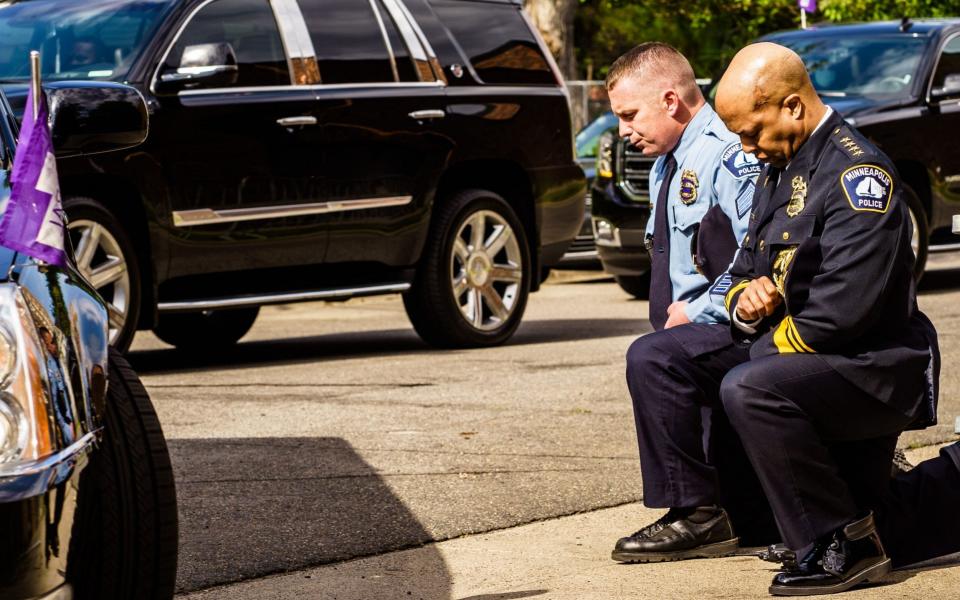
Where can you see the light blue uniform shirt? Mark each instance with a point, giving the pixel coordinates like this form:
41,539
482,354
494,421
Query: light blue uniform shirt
711,169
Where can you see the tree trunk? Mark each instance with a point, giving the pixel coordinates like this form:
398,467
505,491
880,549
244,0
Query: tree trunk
554,19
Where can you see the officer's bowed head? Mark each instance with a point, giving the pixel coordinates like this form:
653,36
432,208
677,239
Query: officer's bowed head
766,97
654,94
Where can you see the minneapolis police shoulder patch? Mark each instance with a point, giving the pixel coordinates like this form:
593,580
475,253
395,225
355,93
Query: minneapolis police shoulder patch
739,163
868,188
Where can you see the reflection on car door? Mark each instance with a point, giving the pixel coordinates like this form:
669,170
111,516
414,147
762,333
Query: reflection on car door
380,106
235,158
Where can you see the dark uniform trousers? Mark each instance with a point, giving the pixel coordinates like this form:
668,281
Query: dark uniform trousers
821,448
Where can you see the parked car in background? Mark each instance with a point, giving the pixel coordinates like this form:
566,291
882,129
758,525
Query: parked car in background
87,501
583,250
314,149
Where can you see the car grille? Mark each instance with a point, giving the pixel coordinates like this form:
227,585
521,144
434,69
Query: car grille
633,172
582,243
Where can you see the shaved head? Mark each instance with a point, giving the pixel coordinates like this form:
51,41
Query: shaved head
766,97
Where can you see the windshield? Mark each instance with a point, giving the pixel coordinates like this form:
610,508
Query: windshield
875,66
77,39
589,136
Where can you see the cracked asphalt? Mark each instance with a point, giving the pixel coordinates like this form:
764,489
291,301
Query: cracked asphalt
332,432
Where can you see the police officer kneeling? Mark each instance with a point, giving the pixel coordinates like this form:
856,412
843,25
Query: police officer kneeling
827,350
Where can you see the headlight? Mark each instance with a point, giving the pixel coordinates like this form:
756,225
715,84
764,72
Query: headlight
25,427
605,154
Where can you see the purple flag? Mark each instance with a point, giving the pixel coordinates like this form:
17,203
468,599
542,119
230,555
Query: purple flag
808,5
32,221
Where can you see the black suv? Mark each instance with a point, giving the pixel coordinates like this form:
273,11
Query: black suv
897,82
313,149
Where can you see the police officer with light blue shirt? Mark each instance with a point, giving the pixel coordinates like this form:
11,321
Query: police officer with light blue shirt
701,174
711,170
701,166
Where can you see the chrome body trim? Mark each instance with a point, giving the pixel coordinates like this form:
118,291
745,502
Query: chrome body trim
317,87
943,247
28,479
301,121
209,216
282,298
386,40
427,114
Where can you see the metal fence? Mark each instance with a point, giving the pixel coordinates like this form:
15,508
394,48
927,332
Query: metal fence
588,100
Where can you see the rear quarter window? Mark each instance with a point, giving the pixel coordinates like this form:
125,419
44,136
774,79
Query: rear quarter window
497,41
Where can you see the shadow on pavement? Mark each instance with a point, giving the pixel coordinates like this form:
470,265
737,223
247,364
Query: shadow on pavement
250,507
369,344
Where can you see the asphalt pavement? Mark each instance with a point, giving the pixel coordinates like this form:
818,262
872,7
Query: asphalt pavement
331,432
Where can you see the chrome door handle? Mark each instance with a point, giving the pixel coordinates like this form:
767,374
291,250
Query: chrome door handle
422,115
296,121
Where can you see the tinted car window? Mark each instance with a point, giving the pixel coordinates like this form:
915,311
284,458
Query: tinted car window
250,29
348,41
949,63
496,40
873,66
77,39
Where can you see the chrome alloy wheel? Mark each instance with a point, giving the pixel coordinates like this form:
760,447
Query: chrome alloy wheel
915,234
487,270
101,261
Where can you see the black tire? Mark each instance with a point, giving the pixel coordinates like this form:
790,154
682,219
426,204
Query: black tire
125,536
637,286
82,209
923,231
206,330
430,304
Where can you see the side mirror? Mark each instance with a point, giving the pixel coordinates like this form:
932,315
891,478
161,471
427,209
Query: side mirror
94,117
951,87
202,65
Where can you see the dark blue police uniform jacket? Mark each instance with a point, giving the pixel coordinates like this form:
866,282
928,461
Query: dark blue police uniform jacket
836,247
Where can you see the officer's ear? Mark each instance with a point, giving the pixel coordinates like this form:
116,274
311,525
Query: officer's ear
670,101
793,105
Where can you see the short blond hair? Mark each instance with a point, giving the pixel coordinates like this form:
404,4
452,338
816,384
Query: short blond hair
660,63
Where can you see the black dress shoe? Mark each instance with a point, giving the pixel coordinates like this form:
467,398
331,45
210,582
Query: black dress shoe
704,532
850,556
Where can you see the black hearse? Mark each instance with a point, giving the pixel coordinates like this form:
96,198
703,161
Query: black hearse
314,149
897,82
87,502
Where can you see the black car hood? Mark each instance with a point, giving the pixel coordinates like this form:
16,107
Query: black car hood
855,106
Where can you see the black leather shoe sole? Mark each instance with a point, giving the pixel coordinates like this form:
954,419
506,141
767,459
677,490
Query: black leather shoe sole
872,573
725,548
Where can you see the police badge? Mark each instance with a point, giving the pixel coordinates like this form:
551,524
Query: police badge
689,182
798,197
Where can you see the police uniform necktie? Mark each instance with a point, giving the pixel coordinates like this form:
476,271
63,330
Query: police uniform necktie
661,289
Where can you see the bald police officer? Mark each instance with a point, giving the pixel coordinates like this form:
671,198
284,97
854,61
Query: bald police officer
700,165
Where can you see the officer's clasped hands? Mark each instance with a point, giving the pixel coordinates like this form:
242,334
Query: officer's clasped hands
758,300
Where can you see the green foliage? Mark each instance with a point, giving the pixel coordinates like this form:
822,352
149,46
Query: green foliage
709,32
